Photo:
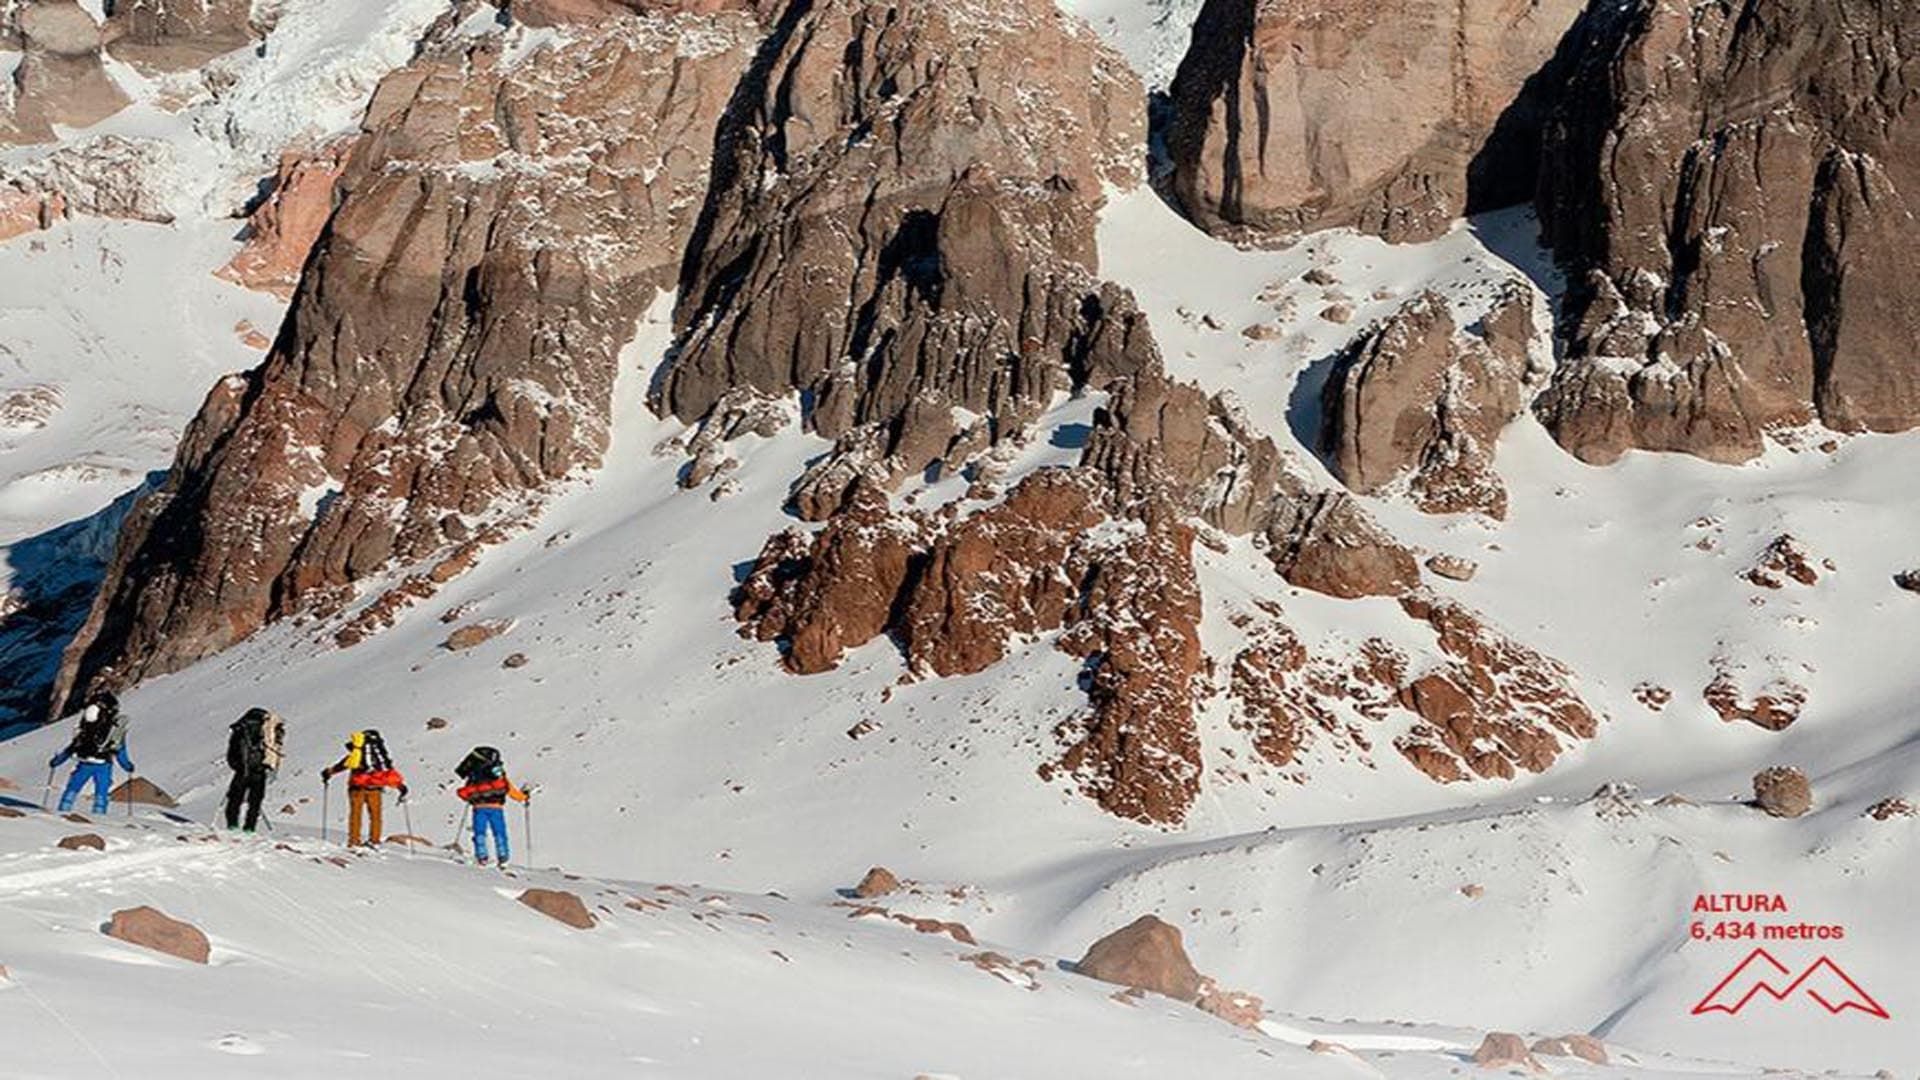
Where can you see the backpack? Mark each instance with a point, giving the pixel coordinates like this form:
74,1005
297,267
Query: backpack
481,764
373,753
101,732
247,746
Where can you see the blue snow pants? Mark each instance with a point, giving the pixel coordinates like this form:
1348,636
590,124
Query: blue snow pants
99,774
490,819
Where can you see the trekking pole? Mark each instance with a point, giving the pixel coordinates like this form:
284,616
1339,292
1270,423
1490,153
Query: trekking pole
128,790
458,828
46,796
526,820
406,812
326,791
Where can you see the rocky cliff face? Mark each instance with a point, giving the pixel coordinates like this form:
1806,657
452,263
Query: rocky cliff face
173,35
1419,401
901,228
1730,187
1393,117
450,350
1114,583
60,78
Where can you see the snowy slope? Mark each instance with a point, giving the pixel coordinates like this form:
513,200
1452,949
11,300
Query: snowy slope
671,750
391,965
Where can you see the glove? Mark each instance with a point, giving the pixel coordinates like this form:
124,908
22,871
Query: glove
403,793
326,774
53,762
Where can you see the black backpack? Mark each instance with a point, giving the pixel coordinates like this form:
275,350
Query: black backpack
247,746
373,752
482,763
101,731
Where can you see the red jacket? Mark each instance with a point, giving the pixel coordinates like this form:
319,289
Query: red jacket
494,792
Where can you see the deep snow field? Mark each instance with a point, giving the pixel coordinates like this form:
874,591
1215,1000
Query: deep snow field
669,750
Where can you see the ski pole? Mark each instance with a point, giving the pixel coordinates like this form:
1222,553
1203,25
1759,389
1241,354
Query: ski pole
127,790
457,829
526,819
326,791
407,813
46,797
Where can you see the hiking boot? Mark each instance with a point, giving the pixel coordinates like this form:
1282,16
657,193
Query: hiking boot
480,861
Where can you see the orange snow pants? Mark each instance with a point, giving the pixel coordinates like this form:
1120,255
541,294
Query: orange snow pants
363,803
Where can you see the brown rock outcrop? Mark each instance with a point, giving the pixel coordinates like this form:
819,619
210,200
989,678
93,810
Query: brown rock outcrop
1892,807
60,78
1055,555
1146,953
1329,543
1392,116
451,348
109,176
1784,559
878,881
1236,1007
82,842
1580,1045
1419,401
1505,1050
172,35
282,230
1775,707
143,792
1496,706
151,929
901,228
561,906
1730,190
1782,791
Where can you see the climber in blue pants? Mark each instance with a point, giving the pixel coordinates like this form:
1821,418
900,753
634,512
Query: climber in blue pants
99,741
487,790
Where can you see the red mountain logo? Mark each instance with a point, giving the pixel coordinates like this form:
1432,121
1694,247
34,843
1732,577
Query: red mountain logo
1824,981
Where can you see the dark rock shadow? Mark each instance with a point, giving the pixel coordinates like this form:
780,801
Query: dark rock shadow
1306,415
54,578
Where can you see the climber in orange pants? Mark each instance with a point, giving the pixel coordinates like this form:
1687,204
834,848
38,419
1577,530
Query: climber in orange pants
370,772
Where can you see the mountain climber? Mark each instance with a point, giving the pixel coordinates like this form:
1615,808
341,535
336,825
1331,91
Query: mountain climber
370,771
98,741
253,753
487,790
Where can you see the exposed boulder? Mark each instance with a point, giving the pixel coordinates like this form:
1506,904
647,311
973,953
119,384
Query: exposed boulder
450,351
282,230
1330,544
144,792
1784,559
1774,707
1908,580
151,929
1892,807
1420,401
1782,791
561,906
1580,1045
1505,1050
475,634
1729,188
82,842
1236,1007
1452,567
60,77
1146,953
901,227
1392,116
878,881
